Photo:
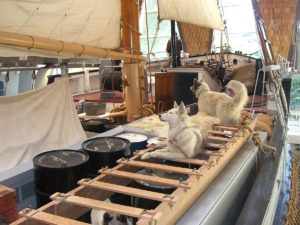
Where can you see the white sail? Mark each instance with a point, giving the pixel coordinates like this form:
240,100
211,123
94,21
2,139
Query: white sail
204,13
94,23
37,121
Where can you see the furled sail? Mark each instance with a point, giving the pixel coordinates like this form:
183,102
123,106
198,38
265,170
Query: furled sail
204,13
94,23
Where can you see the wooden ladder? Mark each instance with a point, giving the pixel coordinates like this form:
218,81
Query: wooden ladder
92,193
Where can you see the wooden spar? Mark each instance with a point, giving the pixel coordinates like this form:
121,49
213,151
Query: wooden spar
198,186
148,165
210,138
106,206
49,218
130,41
198,162
105,115
57,46
128,191
221,133
147,178
132,92
224,127
125,29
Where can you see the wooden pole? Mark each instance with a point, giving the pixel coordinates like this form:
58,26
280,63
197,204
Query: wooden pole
125,29
57,46
132,92
130,72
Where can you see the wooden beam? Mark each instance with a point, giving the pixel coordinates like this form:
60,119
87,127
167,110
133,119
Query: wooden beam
49,218
106,206
211,138
220,133
128,191
148,178
57,46
193,161
172,169
224,127
125,30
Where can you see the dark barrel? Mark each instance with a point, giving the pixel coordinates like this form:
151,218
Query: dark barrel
105,151
58,171
95,125
112,80
151,204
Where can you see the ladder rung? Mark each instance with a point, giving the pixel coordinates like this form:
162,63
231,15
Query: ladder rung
192,161
216,146
220,133
223,127
155,166
128,190
106,206
208,152
49,218
148,178
210,138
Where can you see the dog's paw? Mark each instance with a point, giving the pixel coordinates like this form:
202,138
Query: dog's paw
146,156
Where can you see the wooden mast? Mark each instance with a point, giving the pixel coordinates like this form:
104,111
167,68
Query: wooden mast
131,44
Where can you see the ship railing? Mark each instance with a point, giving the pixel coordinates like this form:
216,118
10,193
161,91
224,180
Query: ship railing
284,65
276,89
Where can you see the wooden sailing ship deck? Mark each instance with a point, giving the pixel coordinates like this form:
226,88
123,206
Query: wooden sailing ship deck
92,193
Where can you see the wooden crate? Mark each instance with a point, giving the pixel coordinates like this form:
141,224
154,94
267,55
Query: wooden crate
8,204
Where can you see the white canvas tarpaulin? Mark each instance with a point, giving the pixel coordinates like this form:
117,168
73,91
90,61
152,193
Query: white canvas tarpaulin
94,23
204,13
37,121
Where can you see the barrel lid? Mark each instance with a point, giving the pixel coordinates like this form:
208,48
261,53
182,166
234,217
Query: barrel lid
162,174
105,144
133,137
60,158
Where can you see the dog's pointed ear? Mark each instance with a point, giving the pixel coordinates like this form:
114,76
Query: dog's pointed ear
182,108
175,105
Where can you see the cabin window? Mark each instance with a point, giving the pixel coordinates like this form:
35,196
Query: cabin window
160,40
241,28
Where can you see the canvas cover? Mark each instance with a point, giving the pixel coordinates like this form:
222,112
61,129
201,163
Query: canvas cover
90,22
37,121
204,13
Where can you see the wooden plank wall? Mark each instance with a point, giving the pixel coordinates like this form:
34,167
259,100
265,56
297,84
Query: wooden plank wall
196,40
280,18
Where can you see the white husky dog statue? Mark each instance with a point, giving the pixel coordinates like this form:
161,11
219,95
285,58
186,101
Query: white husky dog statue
184,139
226,108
